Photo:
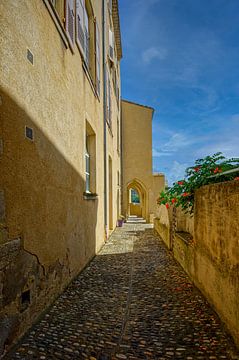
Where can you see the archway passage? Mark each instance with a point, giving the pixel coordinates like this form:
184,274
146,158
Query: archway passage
136,196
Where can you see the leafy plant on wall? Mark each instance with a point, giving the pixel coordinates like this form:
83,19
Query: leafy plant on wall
209,170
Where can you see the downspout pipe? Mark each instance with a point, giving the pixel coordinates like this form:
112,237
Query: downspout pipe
105,115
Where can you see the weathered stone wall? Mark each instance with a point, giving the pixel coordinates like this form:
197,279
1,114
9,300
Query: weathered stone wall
211,255
162,224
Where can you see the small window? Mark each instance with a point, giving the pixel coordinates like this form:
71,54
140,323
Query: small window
111,45
109,101
88,40
90,160
118,135
87,166
135,199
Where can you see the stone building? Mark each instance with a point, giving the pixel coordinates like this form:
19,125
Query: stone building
59,147
140,186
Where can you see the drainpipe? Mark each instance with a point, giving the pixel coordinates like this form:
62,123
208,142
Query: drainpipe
105,116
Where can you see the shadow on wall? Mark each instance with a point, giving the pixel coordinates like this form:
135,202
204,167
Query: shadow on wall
48,231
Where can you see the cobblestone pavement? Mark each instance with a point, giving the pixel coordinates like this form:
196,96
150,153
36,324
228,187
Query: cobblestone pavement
133,301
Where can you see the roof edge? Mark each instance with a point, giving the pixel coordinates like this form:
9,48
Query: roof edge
134,103
116,22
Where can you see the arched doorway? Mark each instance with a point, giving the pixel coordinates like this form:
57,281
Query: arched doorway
136,196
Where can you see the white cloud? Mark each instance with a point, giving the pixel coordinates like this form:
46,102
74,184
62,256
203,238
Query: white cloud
153,53
157,153
177,172
229,148
178,141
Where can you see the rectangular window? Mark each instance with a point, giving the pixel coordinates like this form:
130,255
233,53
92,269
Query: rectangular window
118,135
109,104
80,27
111,45
87,166
87,39
90,160
97,58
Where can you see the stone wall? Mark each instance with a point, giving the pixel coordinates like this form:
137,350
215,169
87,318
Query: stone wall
209,253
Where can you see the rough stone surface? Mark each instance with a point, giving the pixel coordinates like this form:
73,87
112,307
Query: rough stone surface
2,200
8,252
133,301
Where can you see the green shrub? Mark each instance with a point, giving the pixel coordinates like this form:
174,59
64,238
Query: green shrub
209,170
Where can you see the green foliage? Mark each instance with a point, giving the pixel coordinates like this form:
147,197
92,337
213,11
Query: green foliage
209,170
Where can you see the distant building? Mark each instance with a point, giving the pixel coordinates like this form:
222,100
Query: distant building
137,174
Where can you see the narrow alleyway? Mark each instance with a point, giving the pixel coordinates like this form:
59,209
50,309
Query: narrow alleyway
132,302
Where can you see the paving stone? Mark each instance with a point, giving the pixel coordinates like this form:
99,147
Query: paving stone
132,302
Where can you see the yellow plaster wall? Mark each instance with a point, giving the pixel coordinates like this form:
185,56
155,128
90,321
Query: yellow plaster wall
43,180
211,258
137,154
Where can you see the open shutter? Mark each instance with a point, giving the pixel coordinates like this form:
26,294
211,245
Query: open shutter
111,45
109,96
87,38
97,56
110,6
80,33
70,20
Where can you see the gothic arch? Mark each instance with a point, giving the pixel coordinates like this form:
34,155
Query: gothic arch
138,209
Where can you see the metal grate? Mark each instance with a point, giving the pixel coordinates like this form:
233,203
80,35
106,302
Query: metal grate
29,133
30,56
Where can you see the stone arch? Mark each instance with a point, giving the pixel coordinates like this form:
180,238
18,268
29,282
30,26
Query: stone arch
138,209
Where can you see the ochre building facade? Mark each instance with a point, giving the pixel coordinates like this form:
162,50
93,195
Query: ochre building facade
140,186
59,148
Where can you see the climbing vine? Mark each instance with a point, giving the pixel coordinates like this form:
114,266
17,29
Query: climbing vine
209,170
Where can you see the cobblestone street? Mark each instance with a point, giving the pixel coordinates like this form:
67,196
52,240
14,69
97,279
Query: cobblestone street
133,301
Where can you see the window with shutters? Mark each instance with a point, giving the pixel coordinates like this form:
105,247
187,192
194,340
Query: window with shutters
97,58
88,40
109,102
63,15
90,160
118,135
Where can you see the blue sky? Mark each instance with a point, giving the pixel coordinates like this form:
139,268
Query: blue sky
182,58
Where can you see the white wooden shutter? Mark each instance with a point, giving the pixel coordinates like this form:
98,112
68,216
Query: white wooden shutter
97,58
80,31
111,45
87,38
70,20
